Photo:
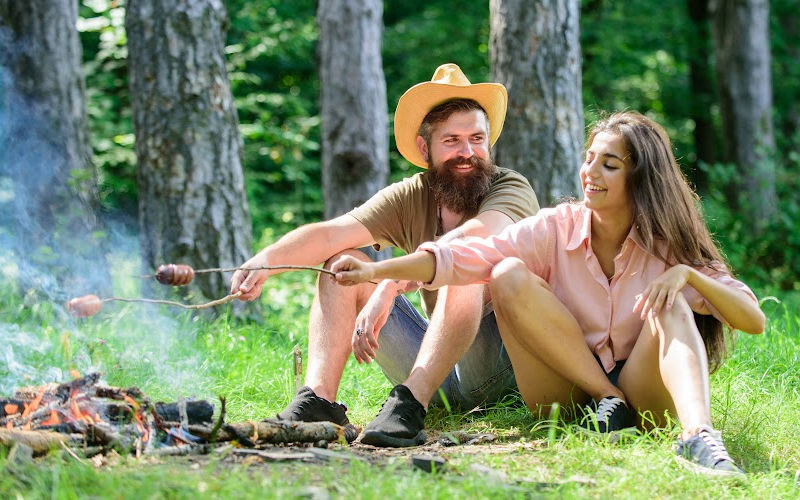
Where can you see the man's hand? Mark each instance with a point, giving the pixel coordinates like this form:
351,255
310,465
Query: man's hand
662,291
250,283
371,319
352,271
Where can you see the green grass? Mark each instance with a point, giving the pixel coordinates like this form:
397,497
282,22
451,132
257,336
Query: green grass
168,354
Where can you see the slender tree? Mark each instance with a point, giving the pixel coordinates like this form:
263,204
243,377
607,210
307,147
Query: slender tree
354,118
192,202
50,222
535,53
742,52
701,88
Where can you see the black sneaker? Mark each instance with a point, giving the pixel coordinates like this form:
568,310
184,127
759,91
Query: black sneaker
610,415
399,423
308,407
705,453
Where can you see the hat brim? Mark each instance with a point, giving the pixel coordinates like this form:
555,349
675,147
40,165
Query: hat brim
421,98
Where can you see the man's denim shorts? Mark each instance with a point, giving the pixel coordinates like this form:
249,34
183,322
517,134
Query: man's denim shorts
482,376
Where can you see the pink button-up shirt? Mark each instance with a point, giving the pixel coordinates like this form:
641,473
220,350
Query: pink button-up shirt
556,245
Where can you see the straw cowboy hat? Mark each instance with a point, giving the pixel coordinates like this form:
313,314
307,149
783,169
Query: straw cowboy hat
448,83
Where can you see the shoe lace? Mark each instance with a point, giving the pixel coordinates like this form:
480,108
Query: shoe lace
606,407
714,442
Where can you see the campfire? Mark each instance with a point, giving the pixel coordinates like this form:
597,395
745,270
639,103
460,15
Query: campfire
88,417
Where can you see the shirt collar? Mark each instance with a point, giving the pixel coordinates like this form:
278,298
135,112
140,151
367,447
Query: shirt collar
583,230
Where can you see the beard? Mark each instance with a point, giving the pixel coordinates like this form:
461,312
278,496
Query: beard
461,192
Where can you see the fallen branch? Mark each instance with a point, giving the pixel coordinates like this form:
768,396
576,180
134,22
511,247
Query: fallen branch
39,441
274,432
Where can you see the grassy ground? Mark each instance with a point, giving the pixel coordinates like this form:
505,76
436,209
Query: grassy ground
168,354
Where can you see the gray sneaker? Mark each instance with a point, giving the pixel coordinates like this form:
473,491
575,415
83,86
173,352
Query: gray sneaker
610,415
705,453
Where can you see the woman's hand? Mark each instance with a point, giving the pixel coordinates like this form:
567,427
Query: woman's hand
662,291
352,271
371,319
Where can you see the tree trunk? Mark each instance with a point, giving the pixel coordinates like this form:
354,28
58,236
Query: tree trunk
355,147
701,90
50,220
742,51
535,53
192,201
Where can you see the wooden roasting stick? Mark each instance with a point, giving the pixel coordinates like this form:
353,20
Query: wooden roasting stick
176,275
89,305
183,274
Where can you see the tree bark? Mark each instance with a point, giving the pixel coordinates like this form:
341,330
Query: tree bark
192,200
535,52
355,147
701,89
741,47
50,221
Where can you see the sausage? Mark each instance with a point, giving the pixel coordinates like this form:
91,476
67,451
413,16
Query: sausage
85,306
174,274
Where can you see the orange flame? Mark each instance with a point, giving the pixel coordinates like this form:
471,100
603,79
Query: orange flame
54,419
34,404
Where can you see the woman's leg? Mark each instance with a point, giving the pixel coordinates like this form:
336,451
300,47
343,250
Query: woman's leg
667,370
544,341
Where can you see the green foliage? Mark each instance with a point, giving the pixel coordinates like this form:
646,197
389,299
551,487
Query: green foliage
273,72
636,59
770,256
101,24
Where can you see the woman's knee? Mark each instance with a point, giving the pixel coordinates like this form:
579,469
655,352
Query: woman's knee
510,277
679,313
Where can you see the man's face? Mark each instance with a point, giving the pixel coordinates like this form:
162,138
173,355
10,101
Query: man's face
460,161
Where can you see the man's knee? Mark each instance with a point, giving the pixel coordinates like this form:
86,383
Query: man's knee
358,254
511,277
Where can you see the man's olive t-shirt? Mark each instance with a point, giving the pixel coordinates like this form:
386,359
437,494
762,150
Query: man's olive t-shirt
405,214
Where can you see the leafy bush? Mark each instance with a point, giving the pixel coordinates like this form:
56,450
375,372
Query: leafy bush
769,257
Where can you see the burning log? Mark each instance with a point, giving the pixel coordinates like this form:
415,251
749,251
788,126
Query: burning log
88,415
197,412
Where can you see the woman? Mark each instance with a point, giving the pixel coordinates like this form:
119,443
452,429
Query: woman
596,299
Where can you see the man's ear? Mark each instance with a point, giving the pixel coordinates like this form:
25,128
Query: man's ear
423,147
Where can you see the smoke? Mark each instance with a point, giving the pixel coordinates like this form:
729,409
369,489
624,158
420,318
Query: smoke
52,248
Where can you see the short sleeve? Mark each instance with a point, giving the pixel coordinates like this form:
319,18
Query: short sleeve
510,194
719,273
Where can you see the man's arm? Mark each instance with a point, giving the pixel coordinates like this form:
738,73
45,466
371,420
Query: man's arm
482,225
307,245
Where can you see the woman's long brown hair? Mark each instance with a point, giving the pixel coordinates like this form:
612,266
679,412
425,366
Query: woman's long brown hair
666,209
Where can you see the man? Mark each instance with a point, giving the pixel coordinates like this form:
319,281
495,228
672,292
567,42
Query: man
446,125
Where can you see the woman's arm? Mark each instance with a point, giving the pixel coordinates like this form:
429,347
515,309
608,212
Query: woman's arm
418,266
737,307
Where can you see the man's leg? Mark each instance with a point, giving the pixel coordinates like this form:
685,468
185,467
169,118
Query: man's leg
451,332
330,329
424,359
331,323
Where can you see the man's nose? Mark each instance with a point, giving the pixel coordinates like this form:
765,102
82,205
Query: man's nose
465,150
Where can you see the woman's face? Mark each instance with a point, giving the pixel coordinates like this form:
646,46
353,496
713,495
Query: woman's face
604,172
